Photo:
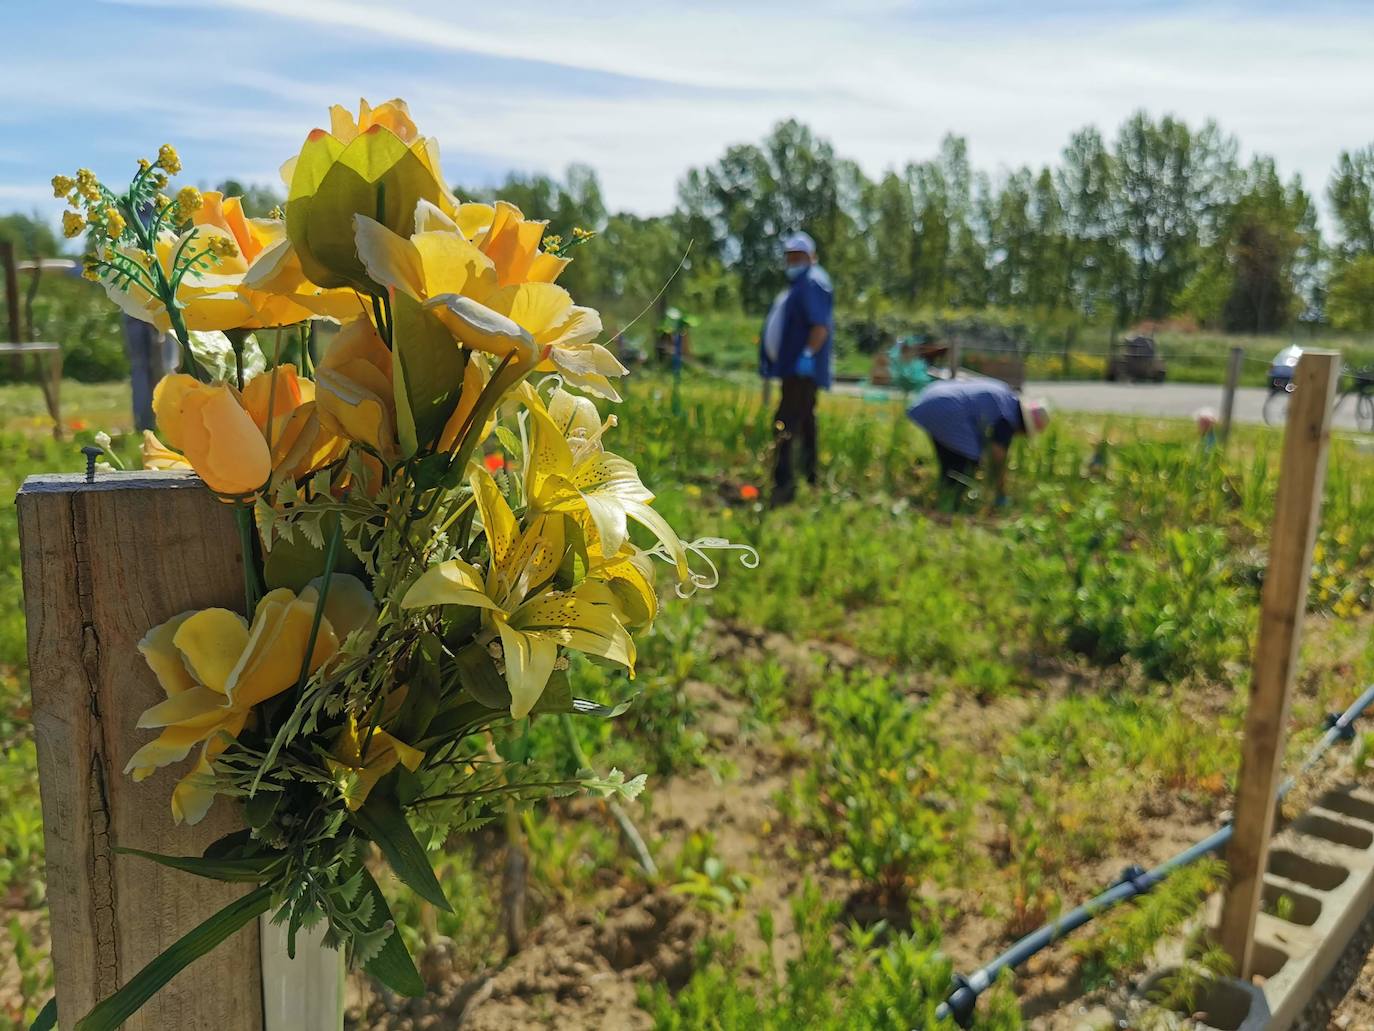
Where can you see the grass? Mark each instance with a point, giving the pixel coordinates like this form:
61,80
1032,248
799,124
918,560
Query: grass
945,699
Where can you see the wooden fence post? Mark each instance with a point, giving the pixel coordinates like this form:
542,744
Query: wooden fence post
104,562
1228,393
1283,602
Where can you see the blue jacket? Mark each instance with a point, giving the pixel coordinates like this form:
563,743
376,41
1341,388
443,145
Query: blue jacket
964,414
809,301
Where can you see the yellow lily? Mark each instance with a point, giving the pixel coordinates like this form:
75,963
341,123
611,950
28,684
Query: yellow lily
214,668
354,389
574,474
531,619
157,455
358,775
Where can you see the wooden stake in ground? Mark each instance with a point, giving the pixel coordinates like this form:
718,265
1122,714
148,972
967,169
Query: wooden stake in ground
1283,603
103,563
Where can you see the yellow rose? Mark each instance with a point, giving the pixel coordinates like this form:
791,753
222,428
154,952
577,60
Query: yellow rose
214,668
223,435
207,423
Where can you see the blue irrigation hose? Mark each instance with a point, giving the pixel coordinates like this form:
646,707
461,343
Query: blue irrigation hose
1134,881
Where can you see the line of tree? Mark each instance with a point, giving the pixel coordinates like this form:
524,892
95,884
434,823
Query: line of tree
1162,221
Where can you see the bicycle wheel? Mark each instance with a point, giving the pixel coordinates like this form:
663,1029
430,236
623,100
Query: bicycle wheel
1276,407
1364,413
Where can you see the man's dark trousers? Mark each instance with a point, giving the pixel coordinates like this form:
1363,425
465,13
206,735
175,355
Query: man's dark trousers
795,420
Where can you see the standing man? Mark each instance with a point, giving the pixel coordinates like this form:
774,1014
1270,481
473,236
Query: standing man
970,418
795,348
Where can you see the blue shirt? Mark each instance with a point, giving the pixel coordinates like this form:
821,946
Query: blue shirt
963,414
810,302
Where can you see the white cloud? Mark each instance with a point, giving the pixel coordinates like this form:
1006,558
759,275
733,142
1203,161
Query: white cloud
643,91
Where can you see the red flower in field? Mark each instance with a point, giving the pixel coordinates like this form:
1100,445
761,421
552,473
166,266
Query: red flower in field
748,492
76,424
494,462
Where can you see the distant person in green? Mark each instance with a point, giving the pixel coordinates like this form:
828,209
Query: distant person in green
795,348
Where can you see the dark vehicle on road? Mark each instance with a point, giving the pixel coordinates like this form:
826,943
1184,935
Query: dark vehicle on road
1136,360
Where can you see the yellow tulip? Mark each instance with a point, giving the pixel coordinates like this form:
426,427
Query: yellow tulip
354,389
377,166
357,774
214,668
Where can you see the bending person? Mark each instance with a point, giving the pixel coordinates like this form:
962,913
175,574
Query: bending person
969,419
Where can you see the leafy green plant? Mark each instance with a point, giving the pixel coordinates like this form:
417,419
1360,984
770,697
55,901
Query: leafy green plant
890,802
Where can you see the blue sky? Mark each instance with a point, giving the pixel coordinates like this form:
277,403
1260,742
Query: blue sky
641,90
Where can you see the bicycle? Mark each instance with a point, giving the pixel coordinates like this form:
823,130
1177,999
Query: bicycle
1359,383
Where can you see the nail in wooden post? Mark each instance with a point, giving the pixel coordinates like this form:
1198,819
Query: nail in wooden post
1283,602
1228,393
103,563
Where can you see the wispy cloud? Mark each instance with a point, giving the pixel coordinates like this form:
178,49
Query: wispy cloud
642,91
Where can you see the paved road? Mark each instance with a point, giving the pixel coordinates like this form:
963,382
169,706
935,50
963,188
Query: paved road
1166,400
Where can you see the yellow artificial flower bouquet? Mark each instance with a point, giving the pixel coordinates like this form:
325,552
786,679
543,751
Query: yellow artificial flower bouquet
403,602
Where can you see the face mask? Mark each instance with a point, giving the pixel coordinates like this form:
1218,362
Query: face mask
795,272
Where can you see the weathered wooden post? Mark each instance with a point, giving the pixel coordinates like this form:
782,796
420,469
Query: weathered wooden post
1228,393
103,562
1283,603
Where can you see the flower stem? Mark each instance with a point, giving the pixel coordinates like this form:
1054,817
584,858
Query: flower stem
243,515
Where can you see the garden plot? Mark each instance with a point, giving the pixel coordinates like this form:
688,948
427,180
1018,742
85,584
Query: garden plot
905,739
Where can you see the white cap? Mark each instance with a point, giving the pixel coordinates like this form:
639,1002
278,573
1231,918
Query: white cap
799,241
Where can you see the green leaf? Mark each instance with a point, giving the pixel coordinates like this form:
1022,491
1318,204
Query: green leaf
294,563
119,1007
455,722
557,697
259,809
47,1017
477,673
423,693
382,820
392,964
573,569
428,373
247,868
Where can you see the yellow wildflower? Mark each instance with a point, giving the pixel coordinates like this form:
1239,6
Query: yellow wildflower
144,164
168,158
87,184
89,270
114,223
189,201
223,247
72,224
62,185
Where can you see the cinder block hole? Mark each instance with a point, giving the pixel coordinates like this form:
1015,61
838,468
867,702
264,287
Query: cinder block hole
1293,906
1335,831
1268,960
1349,805
1222,1004
1312,872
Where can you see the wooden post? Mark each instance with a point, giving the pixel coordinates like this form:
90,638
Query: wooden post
103,563
11,272
1283,603
953,356
1228,393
